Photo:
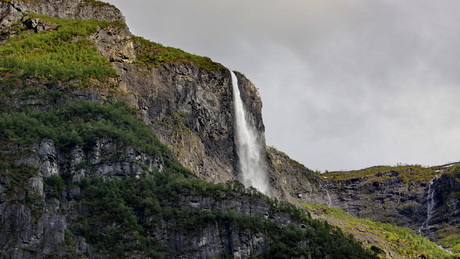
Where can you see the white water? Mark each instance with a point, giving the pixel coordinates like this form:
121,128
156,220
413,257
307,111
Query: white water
329,198
429,204
251,161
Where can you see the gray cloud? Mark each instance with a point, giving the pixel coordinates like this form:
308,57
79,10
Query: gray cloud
345,84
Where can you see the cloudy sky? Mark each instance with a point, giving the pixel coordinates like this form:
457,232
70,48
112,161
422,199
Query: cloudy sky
346,84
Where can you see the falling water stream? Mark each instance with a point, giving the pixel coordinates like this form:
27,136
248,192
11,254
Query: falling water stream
328,198
430,206
430,202
252,164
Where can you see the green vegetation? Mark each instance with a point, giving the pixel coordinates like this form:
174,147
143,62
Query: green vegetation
456,171
96,2
122,215
452,241
408,173
60,52
15,176
387,237
55,181
80,123
154,54
177,121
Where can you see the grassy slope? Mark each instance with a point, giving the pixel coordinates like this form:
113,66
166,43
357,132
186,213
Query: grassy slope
408,173
60,52
395,242
154,54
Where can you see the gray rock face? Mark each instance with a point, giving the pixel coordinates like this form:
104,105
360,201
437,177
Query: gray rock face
115,44
35,218
191,110
292,181
33,222
442,206
429,208
215,240
14,10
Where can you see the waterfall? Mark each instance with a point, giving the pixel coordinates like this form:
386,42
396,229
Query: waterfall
252,164
329,199
430,203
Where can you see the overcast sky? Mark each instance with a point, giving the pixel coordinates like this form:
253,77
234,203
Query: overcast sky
346,84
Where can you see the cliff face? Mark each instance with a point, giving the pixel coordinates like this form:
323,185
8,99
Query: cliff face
34,217
422,199
41,218
14,10
190,110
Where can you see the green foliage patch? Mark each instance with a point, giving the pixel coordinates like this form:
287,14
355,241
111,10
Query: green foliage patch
452,241
55,181
408,173
15,176
97,3
154,54
456,171
81,123
61,52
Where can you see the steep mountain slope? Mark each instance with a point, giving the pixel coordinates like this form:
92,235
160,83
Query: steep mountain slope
83,171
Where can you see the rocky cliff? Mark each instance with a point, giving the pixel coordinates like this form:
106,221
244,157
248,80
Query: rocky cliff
423,199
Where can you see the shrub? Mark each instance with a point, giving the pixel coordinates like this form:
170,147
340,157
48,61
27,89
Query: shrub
55,181
154,54
81,123
62,52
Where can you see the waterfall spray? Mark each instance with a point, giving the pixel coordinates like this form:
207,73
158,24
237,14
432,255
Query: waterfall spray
251,161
